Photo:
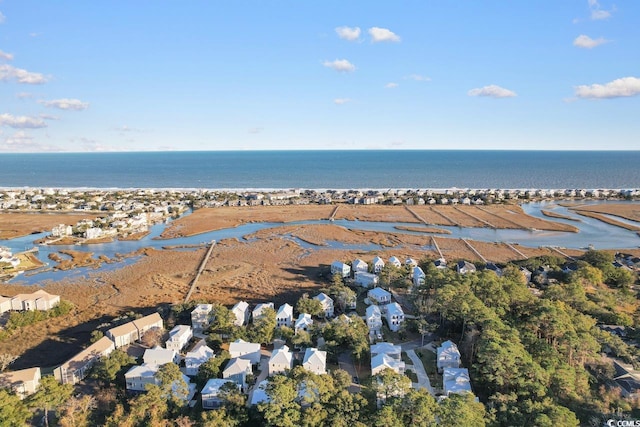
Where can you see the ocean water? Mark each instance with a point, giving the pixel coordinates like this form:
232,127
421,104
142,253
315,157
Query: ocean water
377,169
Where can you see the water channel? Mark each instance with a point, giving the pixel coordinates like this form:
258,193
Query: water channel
592,232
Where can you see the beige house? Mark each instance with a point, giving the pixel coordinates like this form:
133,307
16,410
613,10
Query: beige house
5,304
132,331
38,300
23,382
76,368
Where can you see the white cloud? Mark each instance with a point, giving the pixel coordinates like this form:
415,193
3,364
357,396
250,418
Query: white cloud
382,35
2,18
419,78
626,86
598,14
66,104
9,72
255,130
20,139
348,33
48,116
587,42
341,101
492,91
5,55
391,85
21,122
341,65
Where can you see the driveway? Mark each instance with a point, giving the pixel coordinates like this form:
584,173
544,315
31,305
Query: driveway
264,373
418,367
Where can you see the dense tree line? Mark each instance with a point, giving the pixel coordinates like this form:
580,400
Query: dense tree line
535,354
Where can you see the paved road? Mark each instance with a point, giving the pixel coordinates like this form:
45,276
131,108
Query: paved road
418,367
345,362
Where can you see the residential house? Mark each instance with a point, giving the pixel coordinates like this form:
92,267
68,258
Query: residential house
395,316
365,279
382,361
5,304
315,361
378,264
410,262
303,323
23,382
211,396
338,267
395,262
618,330
492,267
132,331
448,356
526,273
146,323
464,267
179,337
379,296
160,356
196,357
237,370
138,377
627,378
257,312
418,276
259,394
241,312
245,350
373,318
359,265
38,300
62,230
200,317
284,316
327,304
281,360
456,380
391,350
440,263
570,267
75,369
123,335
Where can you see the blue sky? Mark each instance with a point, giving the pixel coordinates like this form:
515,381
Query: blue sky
259,75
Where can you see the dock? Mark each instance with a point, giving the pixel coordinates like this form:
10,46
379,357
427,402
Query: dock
510,246
200,270
333,214
487,223
435,245
474,250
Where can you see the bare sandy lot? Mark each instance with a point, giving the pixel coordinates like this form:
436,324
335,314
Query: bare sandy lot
14,224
